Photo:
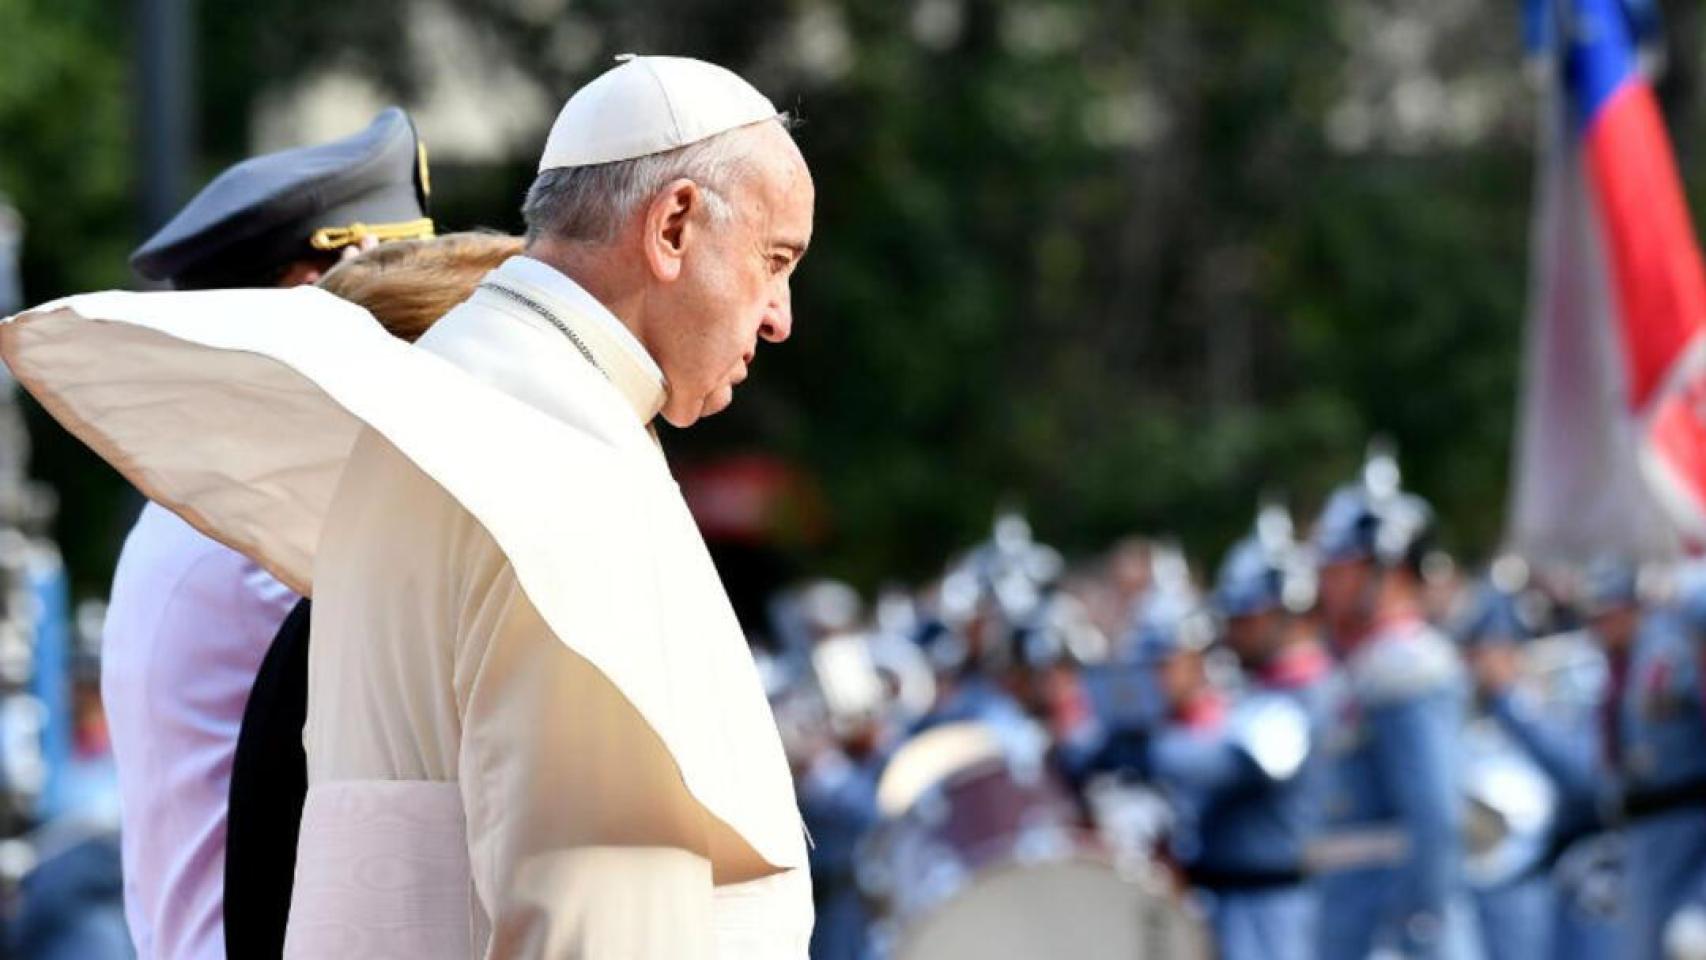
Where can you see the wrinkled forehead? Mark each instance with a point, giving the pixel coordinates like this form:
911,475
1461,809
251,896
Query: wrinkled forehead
770,160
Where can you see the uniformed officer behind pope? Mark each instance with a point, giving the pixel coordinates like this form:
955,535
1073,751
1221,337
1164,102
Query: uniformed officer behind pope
283,219
1391,853
191,619
534,726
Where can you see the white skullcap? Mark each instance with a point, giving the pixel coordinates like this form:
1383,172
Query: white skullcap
648,105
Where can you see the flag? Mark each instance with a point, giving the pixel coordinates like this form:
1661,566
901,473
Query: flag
1611,455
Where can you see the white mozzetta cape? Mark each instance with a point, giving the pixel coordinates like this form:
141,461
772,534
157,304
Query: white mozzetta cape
240,410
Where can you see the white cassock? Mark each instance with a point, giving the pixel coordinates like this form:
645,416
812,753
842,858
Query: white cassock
534,726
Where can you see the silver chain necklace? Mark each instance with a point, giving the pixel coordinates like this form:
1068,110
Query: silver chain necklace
549,317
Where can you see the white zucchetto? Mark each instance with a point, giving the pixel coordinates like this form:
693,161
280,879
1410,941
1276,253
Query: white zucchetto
648,105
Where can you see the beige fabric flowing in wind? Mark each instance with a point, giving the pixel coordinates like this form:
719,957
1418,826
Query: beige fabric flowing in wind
245,428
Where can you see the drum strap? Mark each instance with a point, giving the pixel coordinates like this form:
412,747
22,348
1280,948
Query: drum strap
1640,804
1220,880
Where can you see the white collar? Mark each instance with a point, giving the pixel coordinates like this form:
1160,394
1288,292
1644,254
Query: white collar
558,284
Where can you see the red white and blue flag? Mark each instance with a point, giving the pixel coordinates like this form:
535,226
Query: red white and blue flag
1612,451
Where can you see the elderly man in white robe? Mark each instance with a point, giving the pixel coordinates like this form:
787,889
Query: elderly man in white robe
670,211
534,727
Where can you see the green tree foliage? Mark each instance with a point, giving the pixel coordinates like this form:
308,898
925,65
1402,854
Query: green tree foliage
64,136
64,141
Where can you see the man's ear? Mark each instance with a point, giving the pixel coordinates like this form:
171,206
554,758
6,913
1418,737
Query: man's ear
301,273
669,228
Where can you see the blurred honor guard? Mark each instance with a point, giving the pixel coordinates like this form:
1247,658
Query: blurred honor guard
1391,856
1513,802
191,620
1653,747
1658,744
1263,779
1650,772
838,792
1250,777
978,652
1573,748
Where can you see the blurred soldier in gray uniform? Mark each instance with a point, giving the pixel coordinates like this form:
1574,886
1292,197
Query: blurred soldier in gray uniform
1391,855
1514,893
1247,777
1651,772
1568,746
986,598
1259,782
191,620
838,794
1659,738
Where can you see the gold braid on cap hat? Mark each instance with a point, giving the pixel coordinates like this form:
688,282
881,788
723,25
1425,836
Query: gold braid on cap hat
336,238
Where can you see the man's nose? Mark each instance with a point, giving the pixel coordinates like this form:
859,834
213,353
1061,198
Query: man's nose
778,320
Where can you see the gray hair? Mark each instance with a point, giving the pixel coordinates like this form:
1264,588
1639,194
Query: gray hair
590,204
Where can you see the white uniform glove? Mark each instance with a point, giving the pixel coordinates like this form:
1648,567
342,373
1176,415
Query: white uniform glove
1685,934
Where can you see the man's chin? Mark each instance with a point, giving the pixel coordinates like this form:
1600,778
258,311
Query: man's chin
686,415
717,402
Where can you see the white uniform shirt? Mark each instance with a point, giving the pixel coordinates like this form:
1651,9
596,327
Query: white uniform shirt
189,623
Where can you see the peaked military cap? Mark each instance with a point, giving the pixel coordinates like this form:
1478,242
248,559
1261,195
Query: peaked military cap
259,216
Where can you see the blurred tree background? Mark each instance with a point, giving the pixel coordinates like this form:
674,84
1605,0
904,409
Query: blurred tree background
1126,266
